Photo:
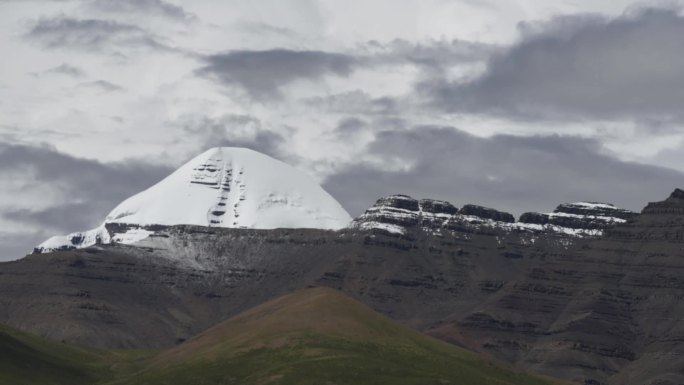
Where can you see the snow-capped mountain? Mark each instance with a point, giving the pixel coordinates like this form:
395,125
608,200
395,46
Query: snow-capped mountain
222,187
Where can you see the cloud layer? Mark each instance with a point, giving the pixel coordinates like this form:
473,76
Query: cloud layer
581,67
146,7
262,74
512,173
91,35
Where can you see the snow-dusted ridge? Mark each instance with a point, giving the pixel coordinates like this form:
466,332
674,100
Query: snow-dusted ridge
396,214
222,187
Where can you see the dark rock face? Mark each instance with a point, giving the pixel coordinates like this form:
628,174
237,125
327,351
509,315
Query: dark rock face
670,206
600,311
437,207
595,209
404,202
487,213
677,194
403,215
400,210
535,218
581,215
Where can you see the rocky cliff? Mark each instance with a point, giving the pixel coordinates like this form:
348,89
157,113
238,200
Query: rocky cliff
400,214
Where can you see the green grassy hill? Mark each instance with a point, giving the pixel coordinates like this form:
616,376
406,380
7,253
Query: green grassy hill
314,336
27,359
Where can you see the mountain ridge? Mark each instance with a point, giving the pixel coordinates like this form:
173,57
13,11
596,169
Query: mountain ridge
398,213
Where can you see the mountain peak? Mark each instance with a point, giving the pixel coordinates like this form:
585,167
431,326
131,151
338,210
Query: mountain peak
221,187
677,194
234,187
673,205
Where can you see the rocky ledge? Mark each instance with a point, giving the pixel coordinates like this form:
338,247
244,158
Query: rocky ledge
581,216
673,205
398,214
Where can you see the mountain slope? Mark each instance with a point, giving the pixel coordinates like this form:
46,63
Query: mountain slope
313,336
27,360
222,187
319,336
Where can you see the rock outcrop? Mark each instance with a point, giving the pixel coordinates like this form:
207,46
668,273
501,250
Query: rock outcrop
399,214
487,213
580,216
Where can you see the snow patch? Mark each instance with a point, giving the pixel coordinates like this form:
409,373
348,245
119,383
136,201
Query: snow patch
390,228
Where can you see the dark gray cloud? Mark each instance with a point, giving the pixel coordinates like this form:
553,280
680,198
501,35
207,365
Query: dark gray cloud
93,189
53,218
14,246
232,130
259,28
91,35
355,102
101,85
507,172
262,74
350,127
66,69
143,8
433,54
581,67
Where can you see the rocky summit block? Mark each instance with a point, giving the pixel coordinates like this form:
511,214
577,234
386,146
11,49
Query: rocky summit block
580,216
595,209
400,214
673,205
487,213
398,201
437,207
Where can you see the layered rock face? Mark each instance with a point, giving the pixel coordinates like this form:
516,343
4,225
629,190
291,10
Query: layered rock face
487,213
581,215
397,214
400,214
606,311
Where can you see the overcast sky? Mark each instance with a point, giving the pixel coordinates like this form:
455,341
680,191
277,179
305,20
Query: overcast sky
517,104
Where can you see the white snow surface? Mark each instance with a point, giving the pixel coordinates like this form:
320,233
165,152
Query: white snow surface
85,238
594,205
234,187
223,187
389,227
